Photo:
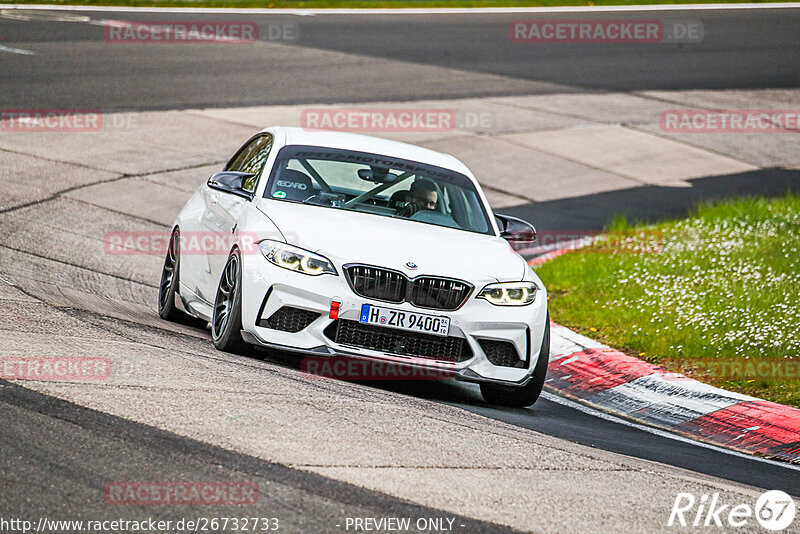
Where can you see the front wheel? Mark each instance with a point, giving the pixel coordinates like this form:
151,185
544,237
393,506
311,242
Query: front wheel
519,397
226,321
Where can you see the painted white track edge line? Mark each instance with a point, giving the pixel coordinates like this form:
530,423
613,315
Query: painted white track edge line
410,11
20,51
658,432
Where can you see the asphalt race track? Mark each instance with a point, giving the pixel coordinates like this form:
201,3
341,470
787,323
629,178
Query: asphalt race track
320,451
383,58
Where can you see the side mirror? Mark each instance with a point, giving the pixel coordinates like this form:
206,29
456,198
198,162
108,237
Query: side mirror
231,182
516,231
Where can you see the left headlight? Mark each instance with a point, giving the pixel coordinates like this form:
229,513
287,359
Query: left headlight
296,259
509,293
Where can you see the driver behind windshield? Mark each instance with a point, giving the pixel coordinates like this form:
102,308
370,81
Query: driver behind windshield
423,195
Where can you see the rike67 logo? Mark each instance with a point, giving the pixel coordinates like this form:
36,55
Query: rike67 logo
774,510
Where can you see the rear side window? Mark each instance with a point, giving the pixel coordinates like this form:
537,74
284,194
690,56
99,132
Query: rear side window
251,158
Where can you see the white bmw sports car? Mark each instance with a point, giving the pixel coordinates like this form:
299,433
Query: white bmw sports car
344,245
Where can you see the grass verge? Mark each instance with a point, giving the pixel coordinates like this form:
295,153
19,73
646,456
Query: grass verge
715,296
354,4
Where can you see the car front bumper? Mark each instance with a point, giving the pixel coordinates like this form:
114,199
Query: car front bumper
267,288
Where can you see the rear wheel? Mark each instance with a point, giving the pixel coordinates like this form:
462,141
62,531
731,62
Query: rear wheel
528,394
169,280
226,322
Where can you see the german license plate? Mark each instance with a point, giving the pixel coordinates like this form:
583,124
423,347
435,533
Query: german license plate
404,320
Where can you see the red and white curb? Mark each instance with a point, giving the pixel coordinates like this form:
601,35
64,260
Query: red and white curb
603,378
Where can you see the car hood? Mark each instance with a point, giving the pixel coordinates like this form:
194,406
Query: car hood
353,237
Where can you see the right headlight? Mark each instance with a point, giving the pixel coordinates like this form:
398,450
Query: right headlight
509,293
295,258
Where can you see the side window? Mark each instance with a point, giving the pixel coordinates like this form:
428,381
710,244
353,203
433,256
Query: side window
251,158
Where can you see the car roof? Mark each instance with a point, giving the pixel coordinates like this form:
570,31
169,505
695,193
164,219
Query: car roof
368,143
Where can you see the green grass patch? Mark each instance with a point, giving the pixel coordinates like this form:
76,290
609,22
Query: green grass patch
718,289
329,4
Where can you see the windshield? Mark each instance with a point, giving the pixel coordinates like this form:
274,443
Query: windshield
379,185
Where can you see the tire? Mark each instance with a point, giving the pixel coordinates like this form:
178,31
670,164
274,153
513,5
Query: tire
527,395
226,321
169,280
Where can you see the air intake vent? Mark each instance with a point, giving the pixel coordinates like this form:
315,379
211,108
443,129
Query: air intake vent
393,341
289,319
501,353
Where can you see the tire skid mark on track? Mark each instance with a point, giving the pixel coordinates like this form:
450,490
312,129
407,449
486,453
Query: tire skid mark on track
77,266
63,192
118,212
57,195
53,160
